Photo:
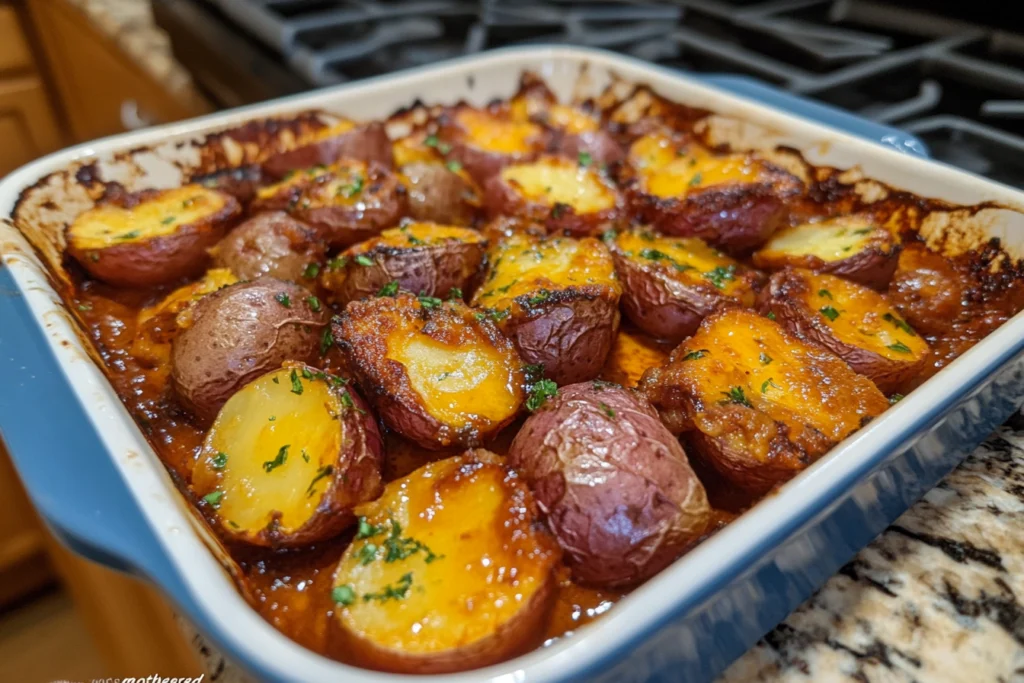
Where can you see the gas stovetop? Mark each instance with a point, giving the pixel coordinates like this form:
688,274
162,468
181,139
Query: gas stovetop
958,86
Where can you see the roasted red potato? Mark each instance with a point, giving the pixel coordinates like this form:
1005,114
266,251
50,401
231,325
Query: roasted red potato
732,201
928,290
557,299
288,458
565,195
437,372
273,244
758,404
483,141
411,594
850,246
239,333
153,237
852,321
615,485
425,258
156,326
669,284
439,190
368,143
345,203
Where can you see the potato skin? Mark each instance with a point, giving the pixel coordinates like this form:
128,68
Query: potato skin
616,486
368,142
273,244
927,290
437,195
241,183
158,260
785,297
239,333
602,148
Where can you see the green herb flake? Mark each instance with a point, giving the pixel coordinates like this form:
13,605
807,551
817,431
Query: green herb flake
219,461
305,455
771,315
390,289
168,220
337,263
129,235
829,312
765,358
862,231
454,294
353,188
364,260
395,591
343,595
283,299
307,373
282,456
214,498
325,471
454,166
696,355
559,209
895,398
695,180
311,271
429,301
430,141
608,236
899,347
825,294
296,383
585,159
719,275
85,306
540,393
533,372
314,303
367,554
736,395
899,323
538,298
367,530
326,341
769,383
606,409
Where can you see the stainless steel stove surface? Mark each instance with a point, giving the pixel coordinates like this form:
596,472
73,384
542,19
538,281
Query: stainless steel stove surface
957,85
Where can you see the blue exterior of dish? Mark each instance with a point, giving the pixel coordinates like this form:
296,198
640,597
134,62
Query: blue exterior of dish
82,497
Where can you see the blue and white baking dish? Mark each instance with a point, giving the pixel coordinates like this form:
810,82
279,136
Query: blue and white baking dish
102,489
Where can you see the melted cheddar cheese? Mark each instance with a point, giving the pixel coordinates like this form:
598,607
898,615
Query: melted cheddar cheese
494,134
159,216
416,234
831,240
667,170
555,180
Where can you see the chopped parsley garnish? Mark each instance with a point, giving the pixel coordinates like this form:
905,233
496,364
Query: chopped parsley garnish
609,236
214,498
829,312
443,376
129,235
279,459
585,159
862,231
769,383
655,255
771,315
305,455
367,554
492,313
337,263
314,303
895,398
414,240
899,347
311,271
430,141
364,260
429,301
219,461
343,595
824,293
390,289
168,220
719,275
283,299
367,530
695,180
396,591
538,298
454,294
765,358
540,393
696,355
533,372
326,341
397,547
900,324
349,404
736,395
352,189
325,471
85,306
307,373
606,409
454,166
296,383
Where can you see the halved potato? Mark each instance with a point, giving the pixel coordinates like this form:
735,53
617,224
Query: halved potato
343,140
287,458
153,237
757,403
156,326
669,284
557,299
483,141
632,354
852,321
273,244
566,195
346,202
851,246
450,570
733,201
437,373
425,258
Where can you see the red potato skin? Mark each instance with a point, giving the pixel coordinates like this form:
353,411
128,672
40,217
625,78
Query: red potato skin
273,244
239,333
599,144
436,195
369,143
158,260
783,297
927,290
502,199
872,266
616,486
241,183
433,270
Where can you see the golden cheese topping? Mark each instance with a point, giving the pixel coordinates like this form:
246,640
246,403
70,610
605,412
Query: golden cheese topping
527,265
183,297
554,180
268,451
159,216
462,384
667,170
571,119
831,240
860,316
443,559
411,150
631,355
333,130
341,183
686,259
417,234
495,134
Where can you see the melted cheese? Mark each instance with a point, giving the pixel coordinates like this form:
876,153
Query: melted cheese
524,265
421,234
161,215
631,355
666,170
485,564
863,317
560,181
685,259
411,150
494,134
831,240
571,119
252,429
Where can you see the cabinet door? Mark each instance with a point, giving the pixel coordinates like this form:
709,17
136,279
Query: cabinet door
27,125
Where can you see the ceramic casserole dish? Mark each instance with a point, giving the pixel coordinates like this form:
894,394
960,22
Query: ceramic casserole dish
101,488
